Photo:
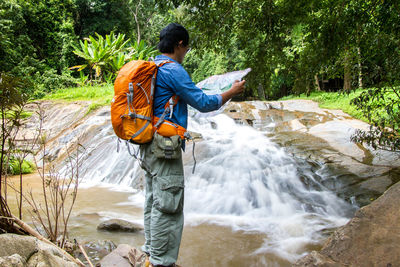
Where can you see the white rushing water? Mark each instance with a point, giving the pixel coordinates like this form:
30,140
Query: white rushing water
246,181
242,180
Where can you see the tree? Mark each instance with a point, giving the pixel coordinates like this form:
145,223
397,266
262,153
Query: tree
13,98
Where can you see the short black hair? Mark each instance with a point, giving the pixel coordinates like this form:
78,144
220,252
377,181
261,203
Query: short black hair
170,37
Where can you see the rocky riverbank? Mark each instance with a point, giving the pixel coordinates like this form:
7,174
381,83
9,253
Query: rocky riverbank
317,136
28,251
371,238
322,136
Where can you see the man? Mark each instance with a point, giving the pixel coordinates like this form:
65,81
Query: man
163,212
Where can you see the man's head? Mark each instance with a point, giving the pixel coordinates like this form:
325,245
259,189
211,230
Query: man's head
174,39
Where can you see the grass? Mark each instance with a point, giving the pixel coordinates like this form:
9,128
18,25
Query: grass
98,95
333,100
88,93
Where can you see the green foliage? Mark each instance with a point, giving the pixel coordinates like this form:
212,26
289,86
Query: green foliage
101,16
105,56
381,106
13,93
36,42
26,167
202,64
140,51
14,41
99,53
281,83
50,81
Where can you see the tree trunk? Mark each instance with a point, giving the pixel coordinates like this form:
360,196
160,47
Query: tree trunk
317,83
260,91
135,15
347,71
360,75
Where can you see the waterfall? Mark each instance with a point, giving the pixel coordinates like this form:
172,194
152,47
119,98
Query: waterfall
246,181
242,180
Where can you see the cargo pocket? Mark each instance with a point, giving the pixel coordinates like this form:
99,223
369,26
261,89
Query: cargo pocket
168,193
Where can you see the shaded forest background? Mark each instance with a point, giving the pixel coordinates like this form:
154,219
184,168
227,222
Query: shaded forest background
290,45
293,46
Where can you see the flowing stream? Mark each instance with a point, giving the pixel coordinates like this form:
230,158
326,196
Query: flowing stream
248,203
244,186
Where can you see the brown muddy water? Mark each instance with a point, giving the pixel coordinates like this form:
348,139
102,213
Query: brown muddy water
202,245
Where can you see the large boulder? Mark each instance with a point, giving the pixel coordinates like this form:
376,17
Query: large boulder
31,252
371,238
118,225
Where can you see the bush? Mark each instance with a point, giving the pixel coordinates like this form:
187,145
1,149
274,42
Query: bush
50,81
26,167
40,79
381,106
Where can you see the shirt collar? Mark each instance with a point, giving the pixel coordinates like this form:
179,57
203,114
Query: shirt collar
163,57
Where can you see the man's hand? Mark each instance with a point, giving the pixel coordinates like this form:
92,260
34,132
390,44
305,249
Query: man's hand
237,88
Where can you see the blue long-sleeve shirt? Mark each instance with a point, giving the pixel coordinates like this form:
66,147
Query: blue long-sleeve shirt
172,79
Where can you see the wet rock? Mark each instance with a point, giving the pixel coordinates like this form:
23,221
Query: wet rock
123,256
118,258
371,238
315,259
10,244
337,134
96,250
118,225
14,260
16,249
377,184
58,116
296,125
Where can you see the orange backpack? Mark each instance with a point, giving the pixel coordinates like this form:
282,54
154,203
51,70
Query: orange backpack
132,106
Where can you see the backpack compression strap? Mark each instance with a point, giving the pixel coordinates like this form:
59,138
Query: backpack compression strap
169,107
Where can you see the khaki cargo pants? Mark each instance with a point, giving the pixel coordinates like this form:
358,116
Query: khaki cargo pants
163,209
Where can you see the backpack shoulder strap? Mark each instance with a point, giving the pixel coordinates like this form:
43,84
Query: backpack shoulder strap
162,63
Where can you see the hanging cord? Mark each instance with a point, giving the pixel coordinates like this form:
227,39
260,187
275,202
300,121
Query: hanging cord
135,154
118,142
194,158
189,137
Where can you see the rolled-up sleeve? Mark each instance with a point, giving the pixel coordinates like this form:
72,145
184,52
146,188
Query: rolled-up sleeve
183,86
